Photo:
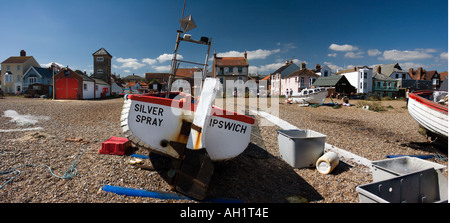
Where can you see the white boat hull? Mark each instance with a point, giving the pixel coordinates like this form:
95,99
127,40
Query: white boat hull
152,122
431,115
314,98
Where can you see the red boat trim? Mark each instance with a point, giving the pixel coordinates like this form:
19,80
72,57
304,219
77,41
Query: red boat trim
218,112
431,104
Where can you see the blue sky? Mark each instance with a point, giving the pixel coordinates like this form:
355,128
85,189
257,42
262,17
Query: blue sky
141,34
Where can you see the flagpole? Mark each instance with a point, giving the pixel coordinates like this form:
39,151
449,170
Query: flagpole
53,76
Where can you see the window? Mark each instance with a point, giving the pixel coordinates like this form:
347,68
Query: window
32,80
360,85
378,84
365,75
18,67
100,59
225,70
365,85
396,75
99,71
302,82
325,73
8,78
19,78
85,87
403,76
240,70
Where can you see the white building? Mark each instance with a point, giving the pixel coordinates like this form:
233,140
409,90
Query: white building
322,71
360,78
275,78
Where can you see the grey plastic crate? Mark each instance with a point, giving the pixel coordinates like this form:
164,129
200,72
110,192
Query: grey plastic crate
301,148
389,168
419,187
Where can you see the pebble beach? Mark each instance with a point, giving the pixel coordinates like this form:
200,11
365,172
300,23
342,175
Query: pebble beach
55,157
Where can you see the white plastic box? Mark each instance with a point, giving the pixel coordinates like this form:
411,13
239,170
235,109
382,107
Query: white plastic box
389,168
418,187
301,148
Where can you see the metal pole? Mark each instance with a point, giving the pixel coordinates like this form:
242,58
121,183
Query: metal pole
173,69
53,75
206,60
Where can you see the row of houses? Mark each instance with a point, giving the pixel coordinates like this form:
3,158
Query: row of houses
21,74
387,80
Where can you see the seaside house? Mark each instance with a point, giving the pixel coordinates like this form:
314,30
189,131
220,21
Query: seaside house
299,80
360,78
385,86
422,79
336,84
275,78
73,85
116,87
12,70
230,68
322,71
37,75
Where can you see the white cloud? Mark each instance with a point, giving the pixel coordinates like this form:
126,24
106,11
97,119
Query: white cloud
268,68
49,64
345,47
149,61
407,65
354,55
333,67
444,56
332,54
128,63
373,52
165,68
127,71
167,57
251,55
404,55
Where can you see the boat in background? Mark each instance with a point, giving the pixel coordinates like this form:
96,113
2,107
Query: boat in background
430,110
310,96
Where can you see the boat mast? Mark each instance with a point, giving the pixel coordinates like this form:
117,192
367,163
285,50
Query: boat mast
186,24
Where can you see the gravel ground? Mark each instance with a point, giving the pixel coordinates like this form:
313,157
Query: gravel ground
257,175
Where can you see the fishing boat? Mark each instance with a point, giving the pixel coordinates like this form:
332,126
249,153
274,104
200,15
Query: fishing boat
425,108
310,96
160,124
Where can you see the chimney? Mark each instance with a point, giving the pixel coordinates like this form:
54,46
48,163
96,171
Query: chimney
23,53
290,62
421,74
317,66
303,66
411,71
379,69
287,62
245,54
354,68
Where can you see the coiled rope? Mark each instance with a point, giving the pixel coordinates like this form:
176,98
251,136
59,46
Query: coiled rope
71,172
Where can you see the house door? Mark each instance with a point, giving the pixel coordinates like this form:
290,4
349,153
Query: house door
67,88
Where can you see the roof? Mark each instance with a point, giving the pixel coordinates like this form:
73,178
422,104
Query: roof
44,72
443,75
132,77
85,77
231,61
17,59
328,81
156,75
388,69
303,72
101,52
286,69
186,72
379,76
99,81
